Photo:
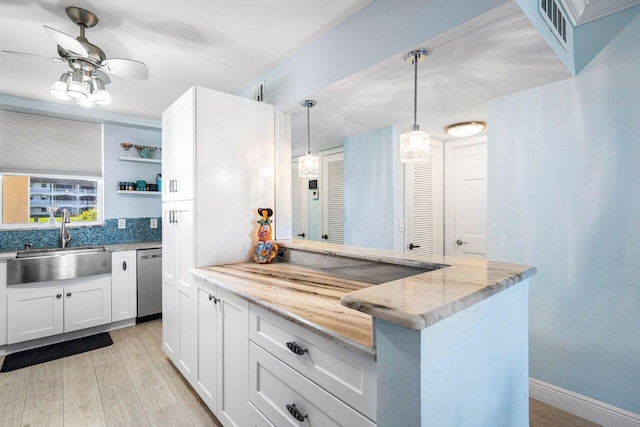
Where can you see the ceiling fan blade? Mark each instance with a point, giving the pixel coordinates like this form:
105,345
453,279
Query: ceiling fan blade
66,42
127,68
33,55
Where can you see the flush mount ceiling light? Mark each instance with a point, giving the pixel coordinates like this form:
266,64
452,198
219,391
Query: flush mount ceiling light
86,82
414,145
465,129
308,165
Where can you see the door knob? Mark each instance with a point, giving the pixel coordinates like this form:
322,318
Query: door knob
459,242
325,237
301,235
412,246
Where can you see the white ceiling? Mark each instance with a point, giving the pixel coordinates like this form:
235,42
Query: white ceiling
492,56
219,44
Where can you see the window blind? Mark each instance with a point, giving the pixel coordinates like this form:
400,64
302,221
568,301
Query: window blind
31,143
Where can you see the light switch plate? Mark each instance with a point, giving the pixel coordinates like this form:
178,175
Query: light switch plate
153,223
122,223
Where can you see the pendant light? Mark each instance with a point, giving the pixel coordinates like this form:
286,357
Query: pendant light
308,165
414,145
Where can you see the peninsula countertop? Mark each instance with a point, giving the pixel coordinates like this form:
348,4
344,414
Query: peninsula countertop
323,303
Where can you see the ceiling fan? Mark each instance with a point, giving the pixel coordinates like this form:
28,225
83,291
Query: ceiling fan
86,81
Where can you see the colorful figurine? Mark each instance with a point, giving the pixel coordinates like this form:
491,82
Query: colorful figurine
266,250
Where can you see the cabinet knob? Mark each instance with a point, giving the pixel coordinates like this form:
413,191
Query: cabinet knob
295,412
124,265
214,299
59,296
296,349
68,294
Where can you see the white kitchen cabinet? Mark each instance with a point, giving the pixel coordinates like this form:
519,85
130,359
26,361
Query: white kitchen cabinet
218,169
287,398
223,353
35,314
51,308
179,336
123,285
3,302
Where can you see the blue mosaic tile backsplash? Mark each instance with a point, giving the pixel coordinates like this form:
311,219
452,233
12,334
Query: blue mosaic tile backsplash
137,230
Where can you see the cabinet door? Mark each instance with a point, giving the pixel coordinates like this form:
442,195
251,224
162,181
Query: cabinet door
87,304
169,273
34,314
123,285
232,359
178,145
207,348
185,296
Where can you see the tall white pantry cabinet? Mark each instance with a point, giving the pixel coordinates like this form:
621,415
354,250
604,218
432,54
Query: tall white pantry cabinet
217,169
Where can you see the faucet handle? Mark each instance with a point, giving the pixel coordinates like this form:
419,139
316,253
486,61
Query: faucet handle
28,246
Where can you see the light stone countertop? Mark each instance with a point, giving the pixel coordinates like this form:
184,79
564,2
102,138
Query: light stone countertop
323,303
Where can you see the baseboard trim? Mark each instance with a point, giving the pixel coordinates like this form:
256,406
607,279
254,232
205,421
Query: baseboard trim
582,406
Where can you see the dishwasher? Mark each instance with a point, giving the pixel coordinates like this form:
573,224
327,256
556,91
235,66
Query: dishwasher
149,284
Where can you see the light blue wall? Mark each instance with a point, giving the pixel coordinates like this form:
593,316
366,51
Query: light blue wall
564,195
371,186
125,205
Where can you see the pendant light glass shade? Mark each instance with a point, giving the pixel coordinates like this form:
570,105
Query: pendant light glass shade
308,165
414,145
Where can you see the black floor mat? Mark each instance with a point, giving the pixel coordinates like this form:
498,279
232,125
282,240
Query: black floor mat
59,350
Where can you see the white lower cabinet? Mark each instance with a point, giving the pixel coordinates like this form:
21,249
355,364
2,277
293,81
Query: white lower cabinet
287,398
51,308
124,298
257,418
223,355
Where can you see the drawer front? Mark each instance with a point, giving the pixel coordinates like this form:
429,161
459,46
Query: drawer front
347,375
273,385
256,418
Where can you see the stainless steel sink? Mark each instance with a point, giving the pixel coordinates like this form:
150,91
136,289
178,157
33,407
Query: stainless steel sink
43,265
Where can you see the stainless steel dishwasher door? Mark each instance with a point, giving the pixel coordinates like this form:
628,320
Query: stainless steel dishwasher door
149,284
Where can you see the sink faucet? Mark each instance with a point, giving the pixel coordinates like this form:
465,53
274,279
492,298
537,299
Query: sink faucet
65,237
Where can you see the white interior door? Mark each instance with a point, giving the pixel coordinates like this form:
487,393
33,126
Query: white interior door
466,198
332,196
423,204
299,204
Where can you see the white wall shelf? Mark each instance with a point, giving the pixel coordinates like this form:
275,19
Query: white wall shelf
140,193
139,160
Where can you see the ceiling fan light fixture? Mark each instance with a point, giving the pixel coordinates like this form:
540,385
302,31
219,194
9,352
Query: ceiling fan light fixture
462,130
308,165
414,144
78,88
99,95
59,88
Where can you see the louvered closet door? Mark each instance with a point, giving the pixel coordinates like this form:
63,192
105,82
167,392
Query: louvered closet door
333,198
299,204
423,198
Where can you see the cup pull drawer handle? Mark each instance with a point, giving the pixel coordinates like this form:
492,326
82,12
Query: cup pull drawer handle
296,349
295,412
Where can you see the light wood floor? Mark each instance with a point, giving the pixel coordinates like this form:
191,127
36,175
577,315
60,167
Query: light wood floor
133,383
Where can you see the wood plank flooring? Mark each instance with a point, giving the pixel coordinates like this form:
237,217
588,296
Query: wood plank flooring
132,383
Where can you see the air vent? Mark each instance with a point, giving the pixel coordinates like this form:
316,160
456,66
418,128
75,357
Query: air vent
554,17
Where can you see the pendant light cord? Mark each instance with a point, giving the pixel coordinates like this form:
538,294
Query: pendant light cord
308,133
415,90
